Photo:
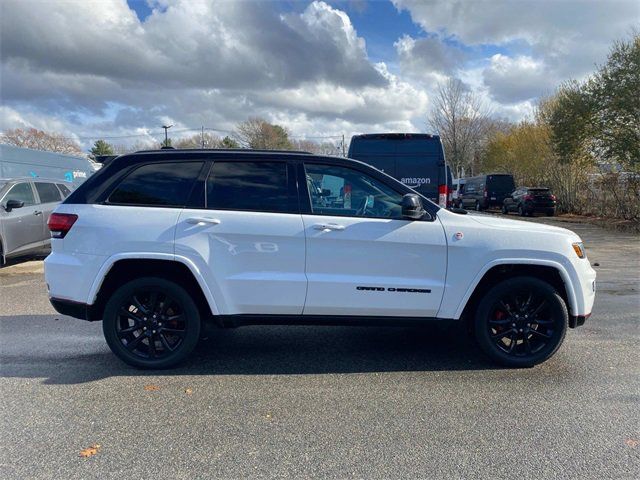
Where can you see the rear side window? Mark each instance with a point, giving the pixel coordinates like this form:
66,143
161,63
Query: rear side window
47,192
166,184
64,190
248,186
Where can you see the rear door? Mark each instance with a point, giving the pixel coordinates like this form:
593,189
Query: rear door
363,258
21,227
247,237
49,198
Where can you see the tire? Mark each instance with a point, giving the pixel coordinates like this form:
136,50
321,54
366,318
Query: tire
521,211
151,308
505,210
551,213
477,206
521,322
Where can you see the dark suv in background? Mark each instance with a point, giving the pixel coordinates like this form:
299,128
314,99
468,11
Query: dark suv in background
486,191
527,201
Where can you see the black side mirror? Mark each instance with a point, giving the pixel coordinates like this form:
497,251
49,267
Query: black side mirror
11,204
412,207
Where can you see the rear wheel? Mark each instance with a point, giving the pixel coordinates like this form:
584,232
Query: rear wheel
477,206
551,213
521,211
151,323
505,211
521,322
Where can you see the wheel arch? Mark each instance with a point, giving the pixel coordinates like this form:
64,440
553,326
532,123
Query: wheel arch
120,268
551,272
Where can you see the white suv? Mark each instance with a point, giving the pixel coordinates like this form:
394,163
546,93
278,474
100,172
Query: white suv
158,243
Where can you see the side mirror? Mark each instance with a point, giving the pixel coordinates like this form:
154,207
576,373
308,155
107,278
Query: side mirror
412,207
11,204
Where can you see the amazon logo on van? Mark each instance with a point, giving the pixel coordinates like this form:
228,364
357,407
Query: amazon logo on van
416,182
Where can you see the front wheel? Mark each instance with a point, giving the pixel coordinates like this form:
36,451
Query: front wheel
477,206
521,211
521,322
151,323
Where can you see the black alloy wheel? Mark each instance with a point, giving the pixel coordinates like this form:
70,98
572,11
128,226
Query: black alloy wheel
151,323
521,322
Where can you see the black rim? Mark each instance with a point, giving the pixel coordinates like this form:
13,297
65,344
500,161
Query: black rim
522,324
150,324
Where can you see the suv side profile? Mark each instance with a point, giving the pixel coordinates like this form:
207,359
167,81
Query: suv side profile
159,243
528,201
25,206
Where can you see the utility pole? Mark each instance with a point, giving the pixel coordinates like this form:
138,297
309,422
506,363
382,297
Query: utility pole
344,154
202,136
166,137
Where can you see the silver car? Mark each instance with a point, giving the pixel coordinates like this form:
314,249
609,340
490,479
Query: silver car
25,206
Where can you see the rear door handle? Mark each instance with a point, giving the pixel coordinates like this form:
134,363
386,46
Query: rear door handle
328,226
203,221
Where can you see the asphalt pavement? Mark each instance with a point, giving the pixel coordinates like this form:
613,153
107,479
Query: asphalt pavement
324,402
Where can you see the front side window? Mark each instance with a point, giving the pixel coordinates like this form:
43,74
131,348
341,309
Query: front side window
47,192
21,192
166,184
248,186
342,191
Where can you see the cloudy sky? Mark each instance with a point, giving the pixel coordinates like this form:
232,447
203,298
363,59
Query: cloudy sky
121,68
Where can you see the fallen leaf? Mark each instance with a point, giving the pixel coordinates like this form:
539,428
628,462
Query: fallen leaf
188,391
90,451
632,442
151,388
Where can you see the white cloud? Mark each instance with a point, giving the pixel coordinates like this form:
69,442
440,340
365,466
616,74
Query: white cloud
511,80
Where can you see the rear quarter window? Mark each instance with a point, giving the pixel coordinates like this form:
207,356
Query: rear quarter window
47,192
166,184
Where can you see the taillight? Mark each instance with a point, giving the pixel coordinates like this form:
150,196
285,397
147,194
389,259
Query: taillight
442,195
553,197
528,198
60,223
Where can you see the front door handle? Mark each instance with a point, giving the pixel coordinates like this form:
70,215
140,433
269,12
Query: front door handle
328,226
37,212
203,221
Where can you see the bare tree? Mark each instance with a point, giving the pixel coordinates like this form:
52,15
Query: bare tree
195,141
461,120
319,148
39,140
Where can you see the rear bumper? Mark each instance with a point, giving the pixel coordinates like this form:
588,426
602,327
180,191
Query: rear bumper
73,309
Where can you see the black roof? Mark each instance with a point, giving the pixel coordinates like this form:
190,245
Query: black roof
234,150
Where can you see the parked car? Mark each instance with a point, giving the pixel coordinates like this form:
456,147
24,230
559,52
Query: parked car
415,159
486,191
457,192
25,206
159,244
527,201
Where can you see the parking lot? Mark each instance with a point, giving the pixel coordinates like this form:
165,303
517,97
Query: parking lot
324,401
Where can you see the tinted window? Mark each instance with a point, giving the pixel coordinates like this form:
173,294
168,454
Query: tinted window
22,192
163,184
47,192
501,182
343,191
64,190
250,186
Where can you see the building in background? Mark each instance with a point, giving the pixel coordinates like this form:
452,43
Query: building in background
23,162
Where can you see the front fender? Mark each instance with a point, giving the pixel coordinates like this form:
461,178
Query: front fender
562,270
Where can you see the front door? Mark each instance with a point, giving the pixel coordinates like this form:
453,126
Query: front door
363,258
248,238
22,227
